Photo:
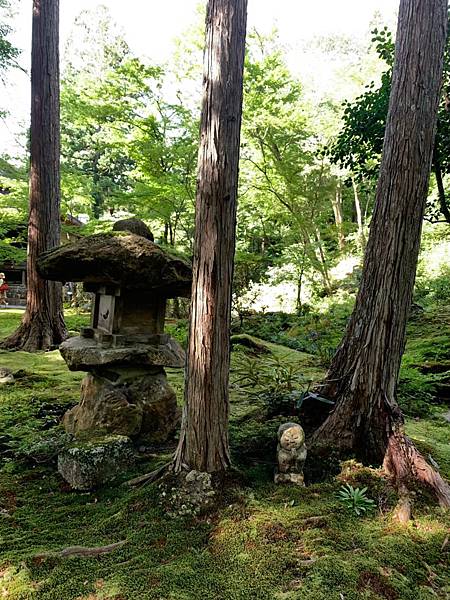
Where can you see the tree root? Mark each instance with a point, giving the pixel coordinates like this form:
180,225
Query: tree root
403,510
401,460
72,551
405,465
149,477
35,334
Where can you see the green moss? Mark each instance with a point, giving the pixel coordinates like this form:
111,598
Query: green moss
265,544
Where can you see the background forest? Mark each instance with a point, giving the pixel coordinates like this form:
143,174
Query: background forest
309,162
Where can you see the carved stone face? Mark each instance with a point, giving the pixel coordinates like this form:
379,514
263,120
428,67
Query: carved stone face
292,438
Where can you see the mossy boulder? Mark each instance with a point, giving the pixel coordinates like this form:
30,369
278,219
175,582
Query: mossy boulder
91,464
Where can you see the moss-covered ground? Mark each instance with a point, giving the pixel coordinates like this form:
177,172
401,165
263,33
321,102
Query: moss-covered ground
265,542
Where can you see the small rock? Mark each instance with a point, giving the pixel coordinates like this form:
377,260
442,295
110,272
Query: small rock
193,494
87,465
6,375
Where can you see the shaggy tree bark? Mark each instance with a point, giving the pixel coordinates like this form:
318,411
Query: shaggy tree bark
363,375
43,324
204,432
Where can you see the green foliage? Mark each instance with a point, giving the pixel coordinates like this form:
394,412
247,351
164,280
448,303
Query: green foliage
314,332
254,440
13,239
285,208
415,392
273,381
360,141
8,53
179,331
358,145
439,287
271,374
124,146
355,499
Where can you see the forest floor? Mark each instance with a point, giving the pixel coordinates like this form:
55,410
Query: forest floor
264,542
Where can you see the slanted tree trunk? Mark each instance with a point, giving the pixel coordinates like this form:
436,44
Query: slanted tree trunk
363,375
43,324
204,431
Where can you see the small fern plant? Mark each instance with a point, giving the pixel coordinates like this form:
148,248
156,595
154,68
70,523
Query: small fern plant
355,499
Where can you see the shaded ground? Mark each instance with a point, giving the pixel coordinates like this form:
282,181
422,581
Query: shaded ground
266,542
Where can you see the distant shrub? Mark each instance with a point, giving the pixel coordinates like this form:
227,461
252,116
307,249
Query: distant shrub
440,286
415,393
179,331
253,439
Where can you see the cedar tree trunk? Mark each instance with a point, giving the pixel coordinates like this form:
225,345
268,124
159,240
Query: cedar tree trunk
363,375
43,324
204,430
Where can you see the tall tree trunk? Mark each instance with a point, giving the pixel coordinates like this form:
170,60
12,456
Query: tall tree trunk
204,431
338,216
43,324
363,375
359,218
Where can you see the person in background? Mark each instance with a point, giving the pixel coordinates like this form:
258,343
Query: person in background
3,287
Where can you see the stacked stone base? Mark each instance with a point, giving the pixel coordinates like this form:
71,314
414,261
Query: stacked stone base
123,401
125,395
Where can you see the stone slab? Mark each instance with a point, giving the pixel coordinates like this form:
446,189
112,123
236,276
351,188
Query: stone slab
84,354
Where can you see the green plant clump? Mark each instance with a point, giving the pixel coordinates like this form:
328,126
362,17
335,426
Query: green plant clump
355,499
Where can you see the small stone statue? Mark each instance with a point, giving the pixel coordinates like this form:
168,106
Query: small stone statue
291,454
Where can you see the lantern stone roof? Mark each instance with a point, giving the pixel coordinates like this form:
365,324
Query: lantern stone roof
118,259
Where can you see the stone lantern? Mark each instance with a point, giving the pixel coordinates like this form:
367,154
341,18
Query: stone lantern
124,350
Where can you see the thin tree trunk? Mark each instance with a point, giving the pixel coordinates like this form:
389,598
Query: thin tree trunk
43,324
359,218
300,284
204,431
363,375
338,216
322,262
441,191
